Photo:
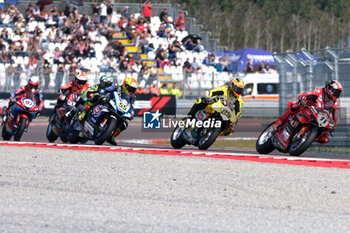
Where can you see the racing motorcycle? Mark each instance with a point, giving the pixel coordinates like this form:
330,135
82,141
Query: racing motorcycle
206,126
58,126
298,132
103,120
17,119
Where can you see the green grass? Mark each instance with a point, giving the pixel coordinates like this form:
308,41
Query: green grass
330,149
227,143
251,144
235,143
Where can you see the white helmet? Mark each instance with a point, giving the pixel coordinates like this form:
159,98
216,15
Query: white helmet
80,79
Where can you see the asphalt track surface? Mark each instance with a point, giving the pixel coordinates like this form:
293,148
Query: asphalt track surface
135,136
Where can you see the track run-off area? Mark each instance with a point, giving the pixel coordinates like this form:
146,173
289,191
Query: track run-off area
290,160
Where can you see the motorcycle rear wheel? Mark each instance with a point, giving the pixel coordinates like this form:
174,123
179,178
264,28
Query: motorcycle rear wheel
5,135
177,140
264,143
300,146
209,139
20,129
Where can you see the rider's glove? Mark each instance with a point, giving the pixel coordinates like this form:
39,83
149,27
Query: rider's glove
206,101
302,102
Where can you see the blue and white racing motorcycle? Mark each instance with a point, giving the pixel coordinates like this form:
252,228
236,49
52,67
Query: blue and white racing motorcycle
102,121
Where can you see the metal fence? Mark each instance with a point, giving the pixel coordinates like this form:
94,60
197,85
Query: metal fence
52,77
305,70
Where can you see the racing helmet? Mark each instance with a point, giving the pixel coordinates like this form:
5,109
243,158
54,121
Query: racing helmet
106,81
333,89
33,84
80,79
129,86
237,86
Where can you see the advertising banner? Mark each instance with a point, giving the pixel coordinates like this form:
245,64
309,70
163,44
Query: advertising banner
165,104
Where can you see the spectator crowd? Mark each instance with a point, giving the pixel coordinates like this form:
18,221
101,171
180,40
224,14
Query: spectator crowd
52,43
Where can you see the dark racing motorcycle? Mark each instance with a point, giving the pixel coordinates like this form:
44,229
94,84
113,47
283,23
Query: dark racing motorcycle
17,119
298,132
58,125
102,121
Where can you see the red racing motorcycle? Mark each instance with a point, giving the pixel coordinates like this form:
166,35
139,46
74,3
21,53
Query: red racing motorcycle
17,118
58,125
298,132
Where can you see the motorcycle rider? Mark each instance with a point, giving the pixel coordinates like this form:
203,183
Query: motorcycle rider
324,98
76,86
91,96
31,91
232,92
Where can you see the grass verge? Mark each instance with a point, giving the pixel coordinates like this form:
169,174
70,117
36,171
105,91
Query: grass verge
226,143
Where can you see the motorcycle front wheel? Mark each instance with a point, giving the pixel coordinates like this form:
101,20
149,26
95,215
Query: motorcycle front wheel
20,129
264,143
208,138
177,140
64,132
50,134
300,146
106,131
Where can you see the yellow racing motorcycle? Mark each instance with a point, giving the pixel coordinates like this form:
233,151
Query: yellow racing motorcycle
207,124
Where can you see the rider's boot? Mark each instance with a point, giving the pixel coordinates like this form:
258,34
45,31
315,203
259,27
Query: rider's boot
323,138
4,114
111,139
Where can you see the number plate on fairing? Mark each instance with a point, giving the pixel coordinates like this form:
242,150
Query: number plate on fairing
28,103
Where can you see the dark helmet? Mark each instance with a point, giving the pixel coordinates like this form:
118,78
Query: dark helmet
333,89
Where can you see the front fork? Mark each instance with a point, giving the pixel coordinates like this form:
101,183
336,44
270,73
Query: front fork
300,133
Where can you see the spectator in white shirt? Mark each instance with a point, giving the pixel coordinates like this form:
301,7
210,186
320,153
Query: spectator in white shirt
93,34
103,12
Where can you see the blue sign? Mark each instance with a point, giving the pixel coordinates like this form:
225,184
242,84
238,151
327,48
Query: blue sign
151,120
13,2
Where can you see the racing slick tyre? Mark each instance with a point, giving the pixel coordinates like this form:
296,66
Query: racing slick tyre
208,138
264,143
177,140
106,131
20,129
64,133
73,137
50,134
300,146
5,135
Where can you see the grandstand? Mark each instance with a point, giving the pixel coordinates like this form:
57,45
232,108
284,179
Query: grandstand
74,37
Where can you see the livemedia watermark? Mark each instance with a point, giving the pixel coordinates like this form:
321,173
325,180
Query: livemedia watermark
156,121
